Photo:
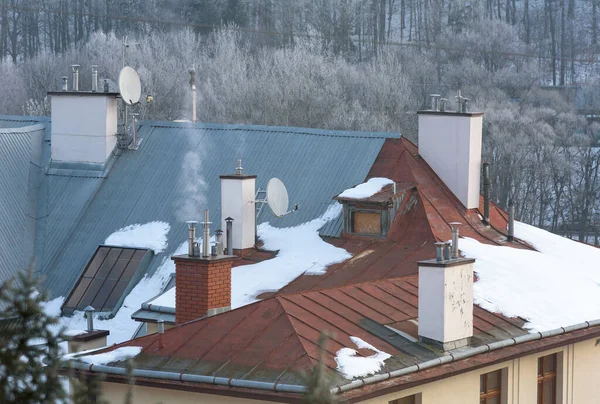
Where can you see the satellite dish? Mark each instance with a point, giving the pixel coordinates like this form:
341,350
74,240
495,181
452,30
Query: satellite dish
277,197
130,86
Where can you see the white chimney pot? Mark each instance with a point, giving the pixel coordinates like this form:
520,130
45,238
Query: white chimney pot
237,201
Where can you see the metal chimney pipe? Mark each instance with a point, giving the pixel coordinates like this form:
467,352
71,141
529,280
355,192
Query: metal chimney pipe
94,78
454,226
443,102
465,105
89,315
192,237
219,237
75,77
161,331
239,169
435,102
439,253
193,86
229,235
106,85
446,251
486,192
511,221
65,83
206,236
459,100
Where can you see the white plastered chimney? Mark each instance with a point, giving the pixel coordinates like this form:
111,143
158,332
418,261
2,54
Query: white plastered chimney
450,142
238,192
84,126
446,302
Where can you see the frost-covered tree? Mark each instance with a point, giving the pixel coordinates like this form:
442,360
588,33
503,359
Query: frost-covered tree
28,337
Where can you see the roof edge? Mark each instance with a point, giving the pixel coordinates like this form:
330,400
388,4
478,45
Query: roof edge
463,354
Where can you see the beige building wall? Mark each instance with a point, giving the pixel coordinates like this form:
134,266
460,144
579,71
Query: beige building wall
578,380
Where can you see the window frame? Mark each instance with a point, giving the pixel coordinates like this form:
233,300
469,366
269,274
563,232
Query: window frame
492,393
543,377
415,399
384,219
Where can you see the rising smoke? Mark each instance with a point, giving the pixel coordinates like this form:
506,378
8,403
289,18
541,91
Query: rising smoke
192,186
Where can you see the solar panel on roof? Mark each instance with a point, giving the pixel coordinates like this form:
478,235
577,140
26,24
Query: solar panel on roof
105,278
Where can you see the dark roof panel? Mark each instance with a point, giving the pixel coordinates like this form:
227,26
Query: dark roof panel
110,272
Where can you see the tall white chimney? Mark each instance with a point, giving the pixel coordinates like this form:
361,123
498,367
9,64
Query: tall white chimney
450,142
84,126
237,201
446,301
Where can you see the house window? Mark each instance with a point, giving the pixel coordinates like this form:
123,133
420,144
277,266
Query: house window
365,222
547,371
490,388
414,399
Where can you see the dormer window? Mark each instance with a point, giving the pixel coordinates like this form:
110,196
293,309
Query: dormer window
370,207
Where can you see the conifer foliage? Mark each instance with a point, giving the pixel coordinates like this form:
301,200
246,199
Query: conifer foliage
27,337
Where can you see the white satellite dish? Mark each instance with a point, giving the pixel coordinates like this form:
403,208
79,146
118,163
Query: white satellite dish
277,197
130,86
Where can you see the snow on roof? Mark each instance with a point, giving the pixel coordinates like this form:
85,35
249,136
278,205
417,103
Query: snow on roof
556,286
351,365
152,236
119,354
366,189
167,299
301,251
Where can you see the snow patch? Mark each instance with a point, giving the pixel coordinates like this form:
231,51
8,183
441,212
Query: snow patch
351,365
119,354
366,189
556,286
167,299
151,235
301,251
73,333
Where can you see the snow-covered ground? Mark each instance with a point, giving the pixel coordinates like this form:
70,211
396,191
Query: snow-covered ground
556,286
151,235
366,189
301,250
351,365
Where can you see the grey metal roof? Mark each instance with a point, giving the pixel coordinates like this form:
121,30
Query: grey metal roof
19,178
148,184
74,210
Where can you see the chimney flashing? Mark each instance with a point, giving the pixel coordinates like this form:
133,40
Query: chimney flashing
236,177
452,262
210,258
449,113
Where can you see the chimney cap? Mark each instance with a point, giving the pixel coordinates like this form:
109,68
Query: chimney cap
229,219
89,308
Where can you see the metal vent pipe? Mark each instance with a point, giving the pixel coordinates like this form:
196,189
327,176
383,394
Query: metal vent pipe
486,192
443,102
439,253
446,251
65,83
75,77
192,72
435,105
192,237
206,236
454,226
229,235
94,78
89,315
511,221
161,331
239,169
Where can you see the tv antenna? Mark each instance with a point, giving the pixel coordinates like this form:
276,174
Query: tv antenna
130,89
276,197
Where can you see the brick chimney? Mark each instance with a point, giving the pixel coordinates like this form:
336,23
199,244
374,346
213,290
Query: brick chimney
446,300
450,142
202,284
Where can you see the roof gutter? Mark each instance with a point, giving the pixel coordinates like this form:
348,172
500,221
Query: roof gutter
463,354
355,384
186,377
